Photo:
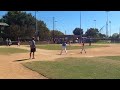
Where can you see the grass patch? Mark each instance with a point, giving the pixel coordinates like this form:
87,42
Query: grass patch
113,57
58,47
77,68
11,50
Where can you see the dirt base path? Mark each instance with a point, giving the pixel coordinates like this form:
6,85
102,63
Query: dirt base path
11,67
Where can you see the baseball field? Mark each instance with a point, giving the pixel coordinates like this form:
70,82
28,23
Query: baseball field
102,61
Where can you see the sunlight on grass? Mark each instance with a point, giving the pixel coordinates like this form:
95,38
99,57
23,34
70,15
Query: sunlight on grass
10,50
58,47
77,68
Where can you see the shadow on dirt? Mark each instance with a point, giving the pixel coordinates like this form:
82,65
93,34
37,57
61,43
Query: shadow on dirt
21,60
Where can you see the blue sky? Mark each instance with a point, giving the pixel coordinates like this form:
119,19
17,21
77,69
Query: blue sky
69,20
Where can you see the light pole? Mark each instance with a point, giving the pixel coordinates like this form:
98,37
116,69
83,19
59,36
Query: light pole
80,25
1,18
36,29
107,24
55,25
110,28
53,29
95,23
80,19
119,32
35,21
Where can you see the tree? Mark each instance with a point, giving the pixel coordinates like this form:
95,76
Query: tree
43,32
78,31
94,33
115,36
56,33
19,24
102,35
23,25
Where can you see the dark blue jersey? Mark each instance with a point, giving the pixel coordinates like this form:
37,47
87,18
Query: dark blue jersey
64,44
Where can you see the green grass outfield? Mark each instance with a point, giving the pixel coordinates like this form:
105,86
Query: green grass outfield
78,68
58,46
10,50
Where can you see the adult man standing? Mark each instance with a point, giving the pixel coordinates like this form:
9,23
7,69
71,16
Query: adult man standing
32,48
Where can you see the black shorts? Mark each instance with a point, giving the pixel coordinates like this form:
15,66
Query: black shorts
33,50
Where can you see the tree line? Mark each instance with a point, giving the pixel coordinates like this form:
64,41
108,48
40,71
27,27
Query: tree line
92,32
23,25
